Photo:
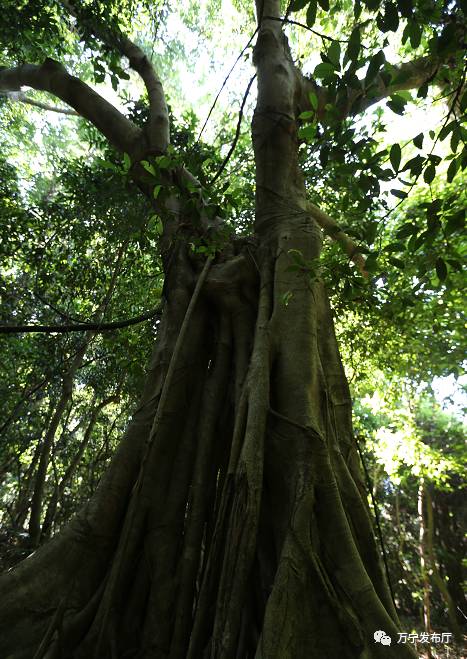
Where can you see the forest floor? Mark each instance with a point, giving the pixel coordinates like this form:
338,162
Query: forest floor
443,652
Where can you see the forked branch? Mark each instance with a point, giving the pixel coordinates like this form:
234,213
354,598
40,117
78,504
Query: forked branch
409,75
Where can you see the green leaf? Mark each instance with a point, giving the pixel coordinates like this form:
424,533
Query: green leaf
334,54
126,162
423,238
407,229
397,104
429,174
307,132
156,191
324,156
456,222
391,17
433,158
313,100
394,247
418,141
405,8
296,5
311,13
353,48
415,34
455,139
452,169
404,94
434,208
308,114
422,90
347,290
463,102
107,165
447,41
324,70
155,223
413,31
370,233
456,265
441,269
445,130
148,167
433,224
395,157
374,66
163,162
371,262
397,262
400,194
415,165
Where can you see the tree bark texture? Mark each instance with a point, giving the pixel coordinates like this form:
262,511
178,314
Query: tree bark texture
232,521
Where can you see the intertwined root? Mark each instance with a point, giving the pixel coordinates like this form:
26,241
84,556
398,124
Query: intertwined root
231,522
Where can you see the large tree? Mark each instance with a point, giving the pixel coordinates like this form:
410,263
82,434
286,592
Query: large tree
232,520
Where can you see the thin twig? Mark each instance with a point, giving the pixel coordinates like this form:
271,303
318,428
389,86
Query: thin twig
305,27
237,133
224,84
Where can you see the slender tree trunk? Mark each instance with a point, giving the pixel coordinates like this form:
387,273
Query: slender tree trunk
41,473
436,575
69,471
63,402
400,532
422,548
25,487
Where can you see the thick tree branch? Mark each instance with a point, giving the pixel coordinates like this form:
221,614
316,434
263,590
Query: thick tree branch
408,75
158,123
52,77
21,97
333,230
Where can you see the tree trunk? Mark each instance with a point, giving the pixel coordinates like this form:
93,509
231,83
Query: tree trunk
438,579
41,473
232,521
422,548
26,486
69,471
63,401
